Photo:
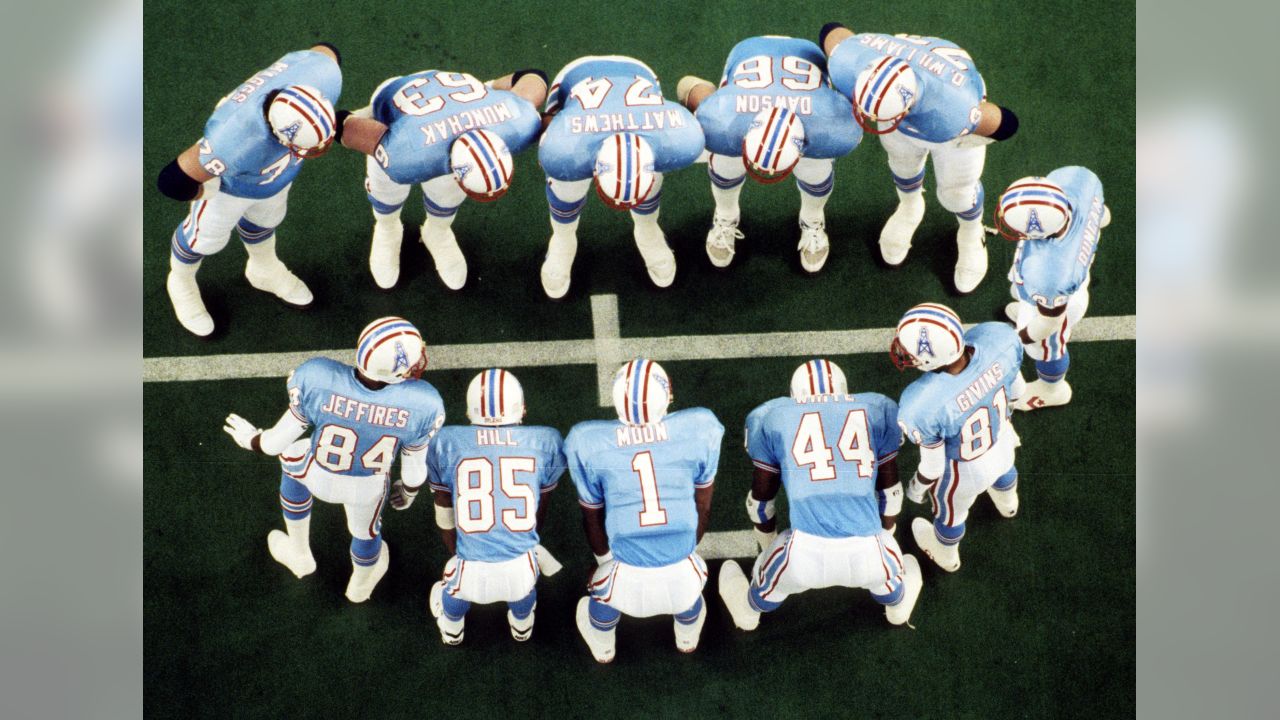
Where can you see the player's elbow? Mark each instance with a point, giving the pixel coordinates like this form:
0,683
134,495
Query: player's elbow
175,183
1006,127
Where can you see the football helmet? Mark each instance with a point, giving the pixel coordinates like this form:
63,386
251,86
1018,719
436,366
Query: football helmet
481,163
495,397
391,350
1033,208
624,171
818,377
302,120
884,92
773,145
929,337
641,392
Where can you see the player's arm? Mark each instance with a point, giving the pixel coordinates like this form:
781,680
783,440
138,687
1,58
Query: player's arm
1046,322
445,520
359,133
327,48
184,178
889,493
702,500
529,83
597,538
271,441
831,35
413,474
691,91
760,505
932,461
997,123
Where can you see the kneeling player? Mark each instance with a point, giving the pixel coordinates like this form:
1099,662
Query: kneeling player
773,114
836,454
644,482
496,474
959,413
362,416
454,136
1057,221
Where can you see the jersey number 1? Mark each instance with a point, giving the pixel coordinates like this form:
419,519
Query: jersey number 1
651,513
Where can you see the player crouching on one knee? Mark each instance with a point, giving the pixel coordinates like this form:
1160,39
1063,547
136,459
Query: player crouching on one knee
644,482
412,132
491,481
1057,222
959,413
773,115
836,455
925,98
362,417
237,177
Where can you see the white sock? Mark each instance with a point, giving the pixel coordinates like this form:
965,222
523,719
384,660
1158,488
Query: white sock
910,198
179,268
392,217
971,228
726,201
299,534
564,241
436,225
811,208
263,251
649,239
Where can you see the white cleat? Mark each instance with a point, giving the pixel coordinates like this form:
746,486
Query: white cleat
814,247
283,552
912,582
364,579
1011,311
384,253
971,260
895,238
555,278
451,265
658,259
1006,501
946,556
733,588
188,306
273,277
451,631
720,241
686,86
521,630
1040,394
602,643
687,635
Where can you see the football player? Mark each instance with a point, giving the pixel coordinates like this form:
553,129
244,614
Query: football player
454,136
958,412
923,96
1057,222
773,115
491,481
361,417
644,482
239,174
611,125
836,454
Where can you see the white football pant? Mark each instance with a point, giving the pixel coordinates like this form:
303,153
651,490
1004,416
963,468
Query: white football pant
645,592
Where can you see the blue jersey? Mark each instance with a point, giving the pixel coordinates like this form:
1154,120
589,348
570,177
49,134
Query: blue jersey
644,478
965,411
238,145
358,431
1049,272
600,96
949,86
425,111
496,476
829,449
769,71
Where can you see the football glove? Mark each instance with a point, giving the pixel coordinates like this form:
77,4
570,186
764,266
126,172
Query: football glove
402,496
547,563
241,430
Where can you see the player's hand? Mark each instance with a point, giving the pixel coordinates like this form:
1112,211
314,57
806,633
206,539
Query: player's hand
916,490
401,496
240,430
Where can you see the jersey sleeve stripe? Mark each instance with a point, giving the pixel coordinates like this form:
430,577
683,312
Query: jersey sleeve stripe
766,466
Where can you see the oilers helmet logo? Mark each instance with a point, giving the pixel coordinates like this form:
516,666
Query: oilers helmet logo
1033,222
923,346
402,359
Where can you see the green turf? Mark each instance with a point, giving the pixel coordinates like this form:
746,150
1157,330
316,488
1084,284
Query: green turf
1039,622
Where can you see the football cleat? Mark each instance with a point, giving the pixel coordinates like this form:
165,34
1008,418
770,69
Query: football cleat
521,630
495,397
641,392
602,643
1032,208
946,556
482,165
1011,311
1041,394
929,337
818,377
1006,501
302,120
733,588
814,247
687,635
188,306
267,273
774,143
884,93
365,578
451,264
384,252
912,582
721,240
285,552
391,350
451,631
971,258
624,174
895,238
555,277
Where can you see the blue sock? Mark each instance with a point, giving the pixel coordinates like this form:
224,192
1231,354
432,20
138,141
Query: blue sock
603,617
252,234
689,616
1007,481
435,210
892,598
564,212
948,535
910,184
521,608
1051,371
758,603
365,552
295,498
454,609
